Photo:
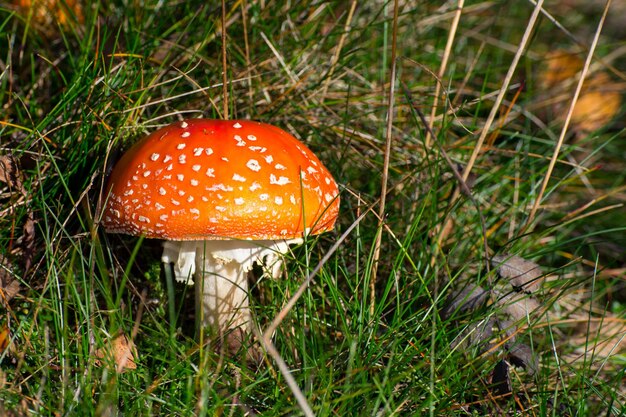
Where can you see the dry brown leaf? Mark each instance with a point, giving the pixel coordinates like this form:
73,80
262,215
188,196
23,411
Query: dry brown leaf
10,174
519,306
600,98
5,338
598,104
48,15
521,355
500,379
522,274
560,66
121,351
468,298
603,338
9,286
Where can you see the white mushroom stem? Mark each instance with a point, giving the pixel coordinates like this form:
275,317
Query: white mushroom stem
220,268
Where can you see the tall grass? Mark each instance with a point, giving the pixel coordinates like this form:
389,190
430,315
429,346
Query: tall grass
76,95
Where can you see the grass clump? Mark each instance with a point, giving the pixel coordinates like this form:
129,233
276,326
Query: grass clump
77,92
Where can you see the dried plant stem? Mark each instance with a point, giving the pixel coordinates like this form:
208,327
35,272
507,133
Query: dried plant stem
244,21
286,372
492,115
383,188
568,118
266,338
442,69
342,40
224,67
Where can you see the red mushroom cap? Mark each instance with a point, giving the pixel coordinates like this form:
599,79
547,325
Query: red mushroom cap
220,179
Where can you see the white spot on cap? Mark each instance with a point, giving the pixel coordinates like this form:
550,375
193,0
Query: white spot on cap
194,182
184,125
278,200
327,180
163,217
239,201
237,177
185,134
224,159
251,137
253,164
135,178
311,170
257,148
169,167
175,202
292,198
280,166
210,172
328,197
181,146
269,159
197,151
143,219
182,158
154,157
128,192
255,186
204,198
264,197
196,167
147,173
181,192
180,177
279,180
217,187
159,206
237,125
167,159
240,141
117,213
144,186
194,211
162,191
212,220
208,151
190,199
283,232
220,208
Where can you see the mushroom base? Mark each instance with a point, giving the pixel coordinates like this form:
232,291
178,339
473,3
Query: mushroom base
220,268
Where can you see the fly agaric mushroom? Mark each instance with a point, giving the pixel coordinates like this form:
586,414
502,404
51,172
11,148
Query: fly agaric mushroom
224,195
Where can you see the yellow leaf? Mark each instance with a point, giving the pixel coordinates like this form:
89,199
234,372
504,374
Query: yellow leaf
121,351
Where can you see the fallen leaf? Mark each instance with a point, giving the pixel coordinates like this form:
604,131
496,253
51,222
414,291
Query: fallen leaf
5,338
121,351
522,355
468,298
500,379
475,336
598,103
10,174
519,306
522,274
49,15
600,98
9,286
